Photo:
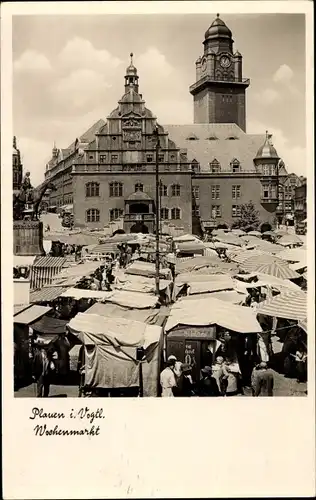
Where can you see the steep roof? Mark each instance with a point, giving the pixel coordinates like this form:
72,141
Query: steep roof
88,136
206,142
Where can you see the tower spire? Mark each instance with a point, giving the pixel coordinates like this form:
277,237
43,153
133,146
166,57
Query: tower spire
131,77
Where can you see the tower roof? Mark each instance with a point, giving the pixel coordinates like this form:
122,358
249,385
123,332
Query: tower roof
131,70
218,29
267,150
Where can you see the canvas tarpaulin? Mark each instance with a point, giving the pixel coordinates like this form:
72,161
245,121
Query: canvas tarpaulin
110,351
147,269
150,316
210,311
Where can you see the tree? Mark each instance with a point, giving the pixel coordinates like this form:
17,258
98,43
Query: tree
249,216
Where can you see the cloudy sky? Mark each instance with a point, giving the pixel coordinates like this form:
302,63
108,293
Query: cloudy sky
68,72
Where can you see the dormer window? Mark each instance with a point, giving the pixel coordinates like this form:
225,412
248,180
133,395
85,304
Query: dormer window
235,166
215,166
232,138
192,137
212,138
195,165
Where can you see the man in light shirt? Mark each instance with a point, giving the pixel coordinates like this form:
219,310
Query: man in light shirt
168,378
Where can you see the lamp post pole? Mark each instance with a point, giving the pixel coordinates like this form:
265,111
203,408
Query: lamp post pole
157,211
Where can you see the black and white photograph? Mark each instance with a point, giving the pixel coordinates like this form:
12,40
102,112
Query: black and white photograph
159,206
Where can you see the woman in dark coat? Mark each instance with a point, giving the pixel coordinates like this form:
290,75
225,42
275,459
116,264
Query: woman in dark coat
62,346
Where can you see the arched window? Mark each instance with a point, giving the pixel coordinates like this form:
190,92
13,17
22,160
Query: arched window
175,213
215,166
115,213
235,165
93,215
92,189
163,190
116,189
139,187
164,213
175,190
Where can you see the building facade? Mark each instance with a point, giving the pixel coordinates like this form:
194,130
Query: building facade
17,167
207,169
300,202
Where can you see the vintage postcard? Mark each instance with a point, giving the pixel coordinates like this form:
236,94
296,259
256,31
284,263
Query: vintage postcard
155,221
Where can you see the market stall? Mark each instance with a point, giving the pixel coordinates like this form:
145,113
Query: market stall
111,352
194,327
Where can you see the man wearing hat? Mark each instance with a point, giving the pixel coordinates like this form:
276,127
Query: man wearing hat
168,378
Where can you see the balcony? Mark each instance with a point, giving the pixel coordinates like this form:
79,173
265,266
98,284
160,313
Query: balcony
207,79
148,168
148,217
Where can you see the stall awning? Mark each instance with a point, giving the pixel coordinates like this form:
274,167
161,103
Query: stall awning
150,316
31,314
47,293
288,305
95,329
137,300
211,311
48,261
51,326
147,269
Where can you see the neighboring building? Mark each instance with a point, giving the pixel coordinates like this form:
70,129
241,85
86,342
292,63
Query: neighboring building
300,201
17,168
285,210
207,169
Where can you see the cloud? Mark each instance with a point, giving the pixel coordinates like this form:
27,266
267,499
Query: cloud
80,88
80,53
284,74
268,96
32,61
294,156
35,155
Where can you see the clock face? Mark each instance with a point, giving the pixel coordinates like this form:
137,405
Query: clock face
225,61
203,65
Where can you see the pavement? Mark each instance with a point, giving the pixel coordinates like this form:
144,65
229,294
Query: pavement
53,221
283,387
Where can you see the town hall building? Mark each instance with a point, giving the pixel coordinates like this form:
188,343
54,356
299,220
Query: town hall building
207,169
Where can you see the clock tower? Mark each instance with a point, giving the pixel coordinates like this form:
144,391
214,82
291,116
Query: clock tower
220,90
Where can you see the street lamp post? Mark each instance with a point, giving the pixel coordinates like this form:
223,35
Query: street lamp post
155,133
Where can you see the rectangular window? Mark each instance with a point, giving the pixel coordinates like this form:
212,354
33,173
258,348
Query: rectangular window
236,211
236,193
149,158
114,158
197,211
161,158
266,170
196,192
215,191
216,211
102,158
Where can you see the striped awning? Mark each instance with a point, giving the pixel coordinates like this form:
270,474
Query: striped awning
47,293
290,239
289,305
278,269
48,261
252,263
104,248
